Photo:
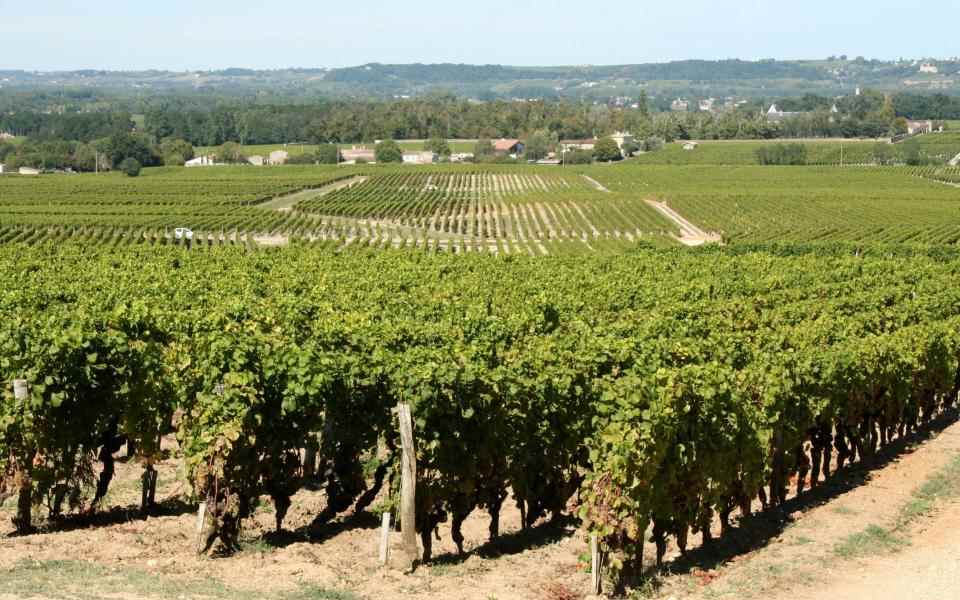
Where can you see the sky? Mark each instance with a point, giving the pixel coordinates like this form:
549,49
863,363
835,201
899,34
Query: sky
211,34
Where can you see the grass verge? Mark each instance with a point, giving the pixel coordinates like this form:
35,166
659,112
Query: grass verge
79,580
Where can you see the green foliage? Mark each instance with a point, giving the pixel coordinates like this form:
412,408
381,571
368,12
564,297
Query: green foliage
538,144
328,154
230,153
388,151
782,154
438,146
578,157
483,149
130,167
523,374
176,152
606,150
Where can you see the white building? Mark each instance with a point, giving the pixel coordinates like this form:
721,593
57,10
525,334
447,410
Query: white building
418,158
29,171
1,168
918,127
574,145
680,105
690,145
929,68
459,157
201,161
356,153
621,138
256,160
279,157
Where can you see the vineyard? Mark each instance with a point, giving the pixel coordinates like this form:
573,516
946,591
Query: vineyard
516,206
520,210
805,204
664,389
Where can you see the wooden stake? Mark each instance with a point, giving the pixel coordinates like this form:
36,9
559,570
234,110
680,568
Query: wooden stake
20,389
201,517
408,486
385,539
596,564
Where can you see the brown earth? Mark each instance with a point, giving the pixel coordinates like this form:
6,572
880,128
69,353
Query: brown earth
120,554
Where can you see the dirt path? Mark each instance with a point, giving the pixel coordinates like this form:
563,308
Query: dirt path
845,545
690,234
930,568
286,203
595,183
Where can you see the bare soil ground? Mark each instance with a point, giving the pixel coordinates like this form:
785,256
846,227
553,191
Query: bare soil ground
866,534
120,554
287,202
690,234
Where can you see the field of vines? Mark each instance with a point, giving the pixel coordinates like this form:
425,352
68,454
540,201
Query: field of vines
503,210
805,204
514,204
497,209
743,152
661,388
208,198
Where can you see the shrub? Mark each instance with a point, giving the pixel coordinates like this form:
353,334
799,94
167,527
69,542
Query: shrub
782,154
131,167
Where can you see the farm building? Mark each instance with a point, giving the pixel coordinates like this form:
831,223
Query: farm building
29,171
918,127
256,160
510,147
459,157
418,158
690,145
358,153
571,145
279,157
4,136
1,168
775,114
201,161
621,138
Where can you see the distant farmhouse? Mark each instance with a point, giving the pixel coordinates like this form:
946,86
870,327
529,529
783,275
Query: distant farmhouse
418,158
4,136
621,138
929,68
508,147
690,145
29,171
201,161
776,115
680,105
575,145
256,160
279,157
918,127
357,154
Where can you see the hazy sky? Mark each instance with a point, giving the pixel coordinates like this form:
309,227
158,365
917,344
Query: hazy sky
202,34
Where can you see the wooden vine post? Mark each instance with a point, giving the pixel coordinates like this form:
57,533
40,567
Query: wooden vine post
596,566
25,497
408,487
384,554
